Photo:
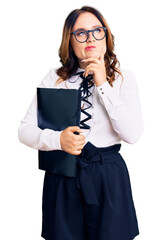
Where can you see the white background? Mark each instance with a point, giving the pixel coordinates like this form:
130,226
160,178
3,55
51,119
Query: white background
31,33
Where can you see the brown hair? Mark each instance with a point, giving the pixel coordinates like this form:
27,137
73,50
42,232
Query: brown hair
67,56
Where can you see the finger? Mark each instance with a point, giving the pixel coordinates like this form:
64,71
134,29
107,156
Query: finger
89,69
80,138
80,147
91,65
77,152
102,55
90,60
75,129
81,142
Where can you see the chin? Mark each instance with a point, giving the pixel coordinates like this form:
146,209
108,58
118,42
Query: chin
91,54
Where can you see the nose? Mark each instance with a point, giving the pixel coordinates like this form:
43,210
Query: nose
90,38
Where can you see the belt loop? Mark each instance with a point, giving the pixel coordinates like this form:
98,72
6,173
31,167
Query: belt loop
102,159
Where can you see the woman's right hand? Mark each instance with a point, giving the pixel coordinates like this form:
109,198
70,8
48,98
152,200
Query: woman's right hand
70,142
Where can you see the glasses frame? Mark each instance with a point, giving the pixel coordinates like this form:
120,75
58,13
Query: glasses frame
87,31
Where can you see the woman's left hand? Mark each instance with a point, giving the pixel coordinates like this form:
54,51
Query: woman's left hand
97,67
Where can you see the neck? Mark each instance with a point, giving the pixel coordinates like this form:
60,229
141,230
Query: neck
82,65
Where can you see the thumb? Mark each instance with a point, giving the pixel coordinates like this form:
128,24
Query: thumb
75,129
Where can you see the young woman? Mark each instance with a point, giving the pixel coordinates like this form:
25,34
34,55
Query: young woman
98,203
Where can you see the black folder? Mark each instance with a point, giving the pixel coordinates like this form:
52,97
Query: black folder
58,109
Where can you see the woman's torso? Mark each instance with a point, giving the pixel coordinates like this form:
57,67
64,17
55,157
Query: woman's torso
101,132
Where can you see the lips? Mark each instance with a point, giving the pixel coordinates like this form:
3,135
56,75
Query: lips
90,47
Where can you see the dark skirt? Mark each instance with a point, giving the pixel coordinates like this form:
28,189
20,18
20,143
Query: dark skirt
95,205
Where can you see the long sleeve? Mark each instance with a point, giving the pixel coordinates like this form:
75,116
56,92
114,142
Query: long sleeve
28,131
123,107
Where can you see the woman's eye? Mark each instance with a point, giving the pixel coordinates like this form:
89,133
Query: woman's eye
97,30
80,33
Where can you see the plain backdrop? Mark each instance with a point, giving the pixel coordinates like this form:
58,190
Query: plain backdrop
31,33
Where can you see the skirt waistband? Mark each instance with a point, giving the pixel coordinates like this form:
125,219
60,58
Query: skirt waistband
91,154
90,150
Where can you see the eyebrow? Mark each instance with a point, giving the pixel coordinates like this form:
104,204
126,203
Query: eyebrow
92,27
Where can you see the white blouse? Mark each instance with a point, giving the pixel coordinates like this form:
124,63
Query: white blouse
116,114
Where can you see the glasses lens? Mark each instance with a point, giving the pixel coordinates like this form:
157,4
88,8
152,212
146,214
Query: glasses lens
81,35
99,33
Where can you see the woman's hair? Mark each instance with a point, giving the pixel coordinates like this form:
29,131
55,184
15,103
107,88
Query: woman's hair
68,58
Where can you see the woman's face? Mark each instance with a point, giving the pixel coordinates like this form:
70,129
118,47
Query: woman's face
87,21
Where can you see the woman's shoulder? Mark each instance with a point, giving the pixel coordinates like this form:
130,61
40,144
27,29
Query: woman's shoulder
125,72
125,81
49,79
128,77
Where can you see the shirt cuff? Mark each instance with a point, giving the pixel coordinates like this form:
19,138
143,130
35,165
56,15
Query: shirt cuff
109,97
50,140
56,140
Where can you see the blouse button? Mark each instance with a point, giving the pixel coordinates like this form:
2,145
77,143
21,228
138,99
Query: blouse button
100,88
102,92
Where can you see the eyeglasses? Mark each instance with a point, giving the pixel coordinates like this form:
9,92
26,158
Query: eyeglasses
82,35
